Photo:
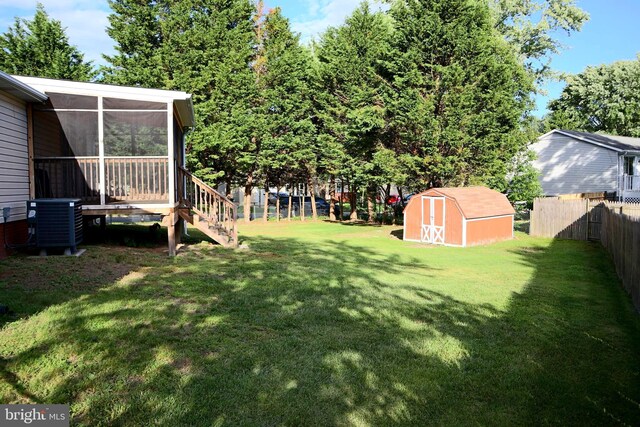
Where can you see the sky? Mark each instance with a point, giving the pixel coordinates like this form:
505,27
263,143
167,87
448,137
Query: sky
611,34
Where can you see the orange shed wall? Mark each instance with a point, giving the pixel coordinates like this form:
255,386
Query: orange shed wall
489,230
453,223
413,219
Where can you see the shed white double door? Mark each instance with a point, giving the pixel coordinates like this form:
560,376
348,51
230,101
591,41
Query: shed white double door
433,210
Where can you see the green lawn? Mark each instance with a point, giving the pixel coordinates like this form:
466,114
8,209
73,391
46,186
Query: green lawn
324,324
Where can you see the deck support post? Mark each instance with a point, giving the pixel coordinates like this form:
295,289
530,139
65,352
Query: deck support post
171,231
179,230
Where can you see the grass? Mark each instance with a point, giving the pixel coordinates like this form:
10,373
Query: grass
324,324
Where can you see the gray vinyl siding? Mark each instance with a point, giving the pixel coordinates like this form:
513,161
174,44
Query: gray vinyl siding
14,157
569,166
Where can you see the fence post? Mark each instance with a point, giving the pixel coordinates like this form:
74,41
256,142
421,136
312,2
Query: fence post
586,217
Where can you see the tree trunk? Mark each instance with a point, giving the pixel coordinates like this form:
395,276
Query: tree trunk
227,189
247,198
290,205
341,198
265,213
370,206
353,201
301,201
278,204
312,196
332,198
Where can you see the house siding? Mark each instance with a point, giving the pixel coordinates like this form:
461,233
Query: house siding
568,166
14,158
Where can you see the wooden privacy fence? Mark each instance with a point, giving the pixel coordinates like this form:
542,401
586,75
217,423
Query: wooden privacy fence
616,225
566,219
576,219
621,238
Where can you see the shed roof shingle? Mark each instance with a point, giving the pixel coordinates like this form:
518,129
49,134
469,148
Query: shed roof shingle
476,202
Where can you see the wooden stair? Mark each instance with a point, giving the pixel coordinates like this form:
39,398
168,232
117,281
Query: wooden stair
207,209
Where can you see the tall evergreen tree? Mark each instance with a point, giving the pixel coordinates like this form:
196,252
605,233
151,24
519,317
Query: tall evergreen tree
459,94
39,47
136,28
352,103
204,47
288,152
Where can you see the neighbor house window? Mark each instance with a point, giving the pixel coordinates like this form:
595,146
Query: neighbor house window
628,168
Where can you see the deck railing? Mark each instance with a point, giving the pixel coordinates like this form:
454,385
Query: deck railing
127,179
630,183
68,177
137,178
208,203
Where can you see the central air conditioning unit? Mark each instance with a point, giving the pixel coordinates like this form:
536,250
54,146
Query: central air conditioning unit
56,223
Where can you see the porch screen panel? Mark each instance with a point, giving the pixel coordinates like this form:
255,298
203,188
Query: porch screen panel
132,104
135,133
66,150
65,133
66,101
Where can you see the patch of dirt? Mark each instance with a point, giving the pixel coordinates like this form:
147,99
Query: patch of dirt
269,255
135,380
184,365
72,359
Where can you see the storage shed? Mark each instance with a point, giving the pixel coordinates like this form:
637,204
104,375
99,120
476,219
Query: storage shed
462,216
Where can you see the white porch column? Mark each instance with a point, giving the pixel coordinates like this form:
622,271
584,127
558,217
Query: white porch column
101,166
172,162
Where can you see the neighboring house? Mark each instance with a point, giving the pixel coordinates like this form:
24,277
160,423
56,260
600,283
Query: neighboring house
572,162
118,149
15,96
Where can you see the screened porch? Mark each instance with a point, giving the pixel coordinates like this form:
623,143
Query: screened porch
106,150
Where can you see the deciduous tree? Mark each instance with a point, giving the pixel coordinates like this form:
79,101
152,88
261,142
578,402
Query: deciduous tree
532,28
604,98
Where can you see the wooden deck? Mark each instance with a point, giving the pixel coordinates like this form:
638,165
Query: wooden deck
139,186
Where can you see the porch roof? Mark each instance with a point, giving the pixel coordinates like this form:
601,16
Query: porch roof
612,142
181,100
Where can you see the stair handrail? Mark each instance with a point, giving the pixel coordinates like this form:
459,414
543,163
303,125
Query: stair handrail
206,201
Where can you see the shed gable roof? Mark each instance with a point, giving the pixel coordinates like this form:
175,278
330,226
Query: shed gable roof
612,142
476,202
